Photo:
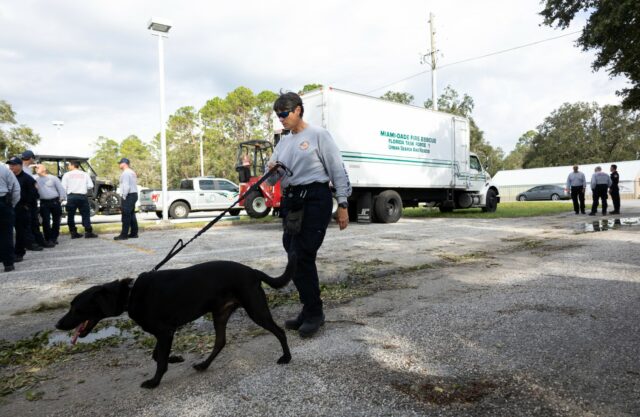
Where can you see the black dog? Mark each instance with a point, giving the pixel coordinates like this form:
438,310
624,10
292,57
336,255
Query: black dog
162,301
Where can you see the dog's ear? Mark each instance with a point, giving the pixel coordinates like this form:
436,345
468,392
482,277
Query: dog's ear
107,299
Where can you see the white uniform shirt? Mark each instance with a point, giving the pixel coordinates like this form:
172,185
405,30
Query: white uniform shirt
76,182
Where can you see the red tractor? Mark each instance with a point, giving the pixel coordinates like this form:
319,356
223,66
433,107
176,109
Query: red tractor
251,165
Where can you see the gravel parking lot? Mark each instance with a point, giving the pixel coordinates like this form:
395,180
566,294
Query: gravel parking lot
458,317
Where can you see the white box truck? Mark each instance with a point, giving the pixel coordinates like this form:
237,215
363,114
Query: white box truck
399,155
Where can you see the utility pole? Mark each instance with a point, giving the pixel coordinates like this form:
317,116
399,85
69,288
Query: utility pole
423,60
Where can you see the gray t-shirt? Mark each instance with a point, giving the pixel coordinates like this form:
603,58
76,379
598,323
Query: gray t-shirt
9,184
576,179
49,187
128,182
312,156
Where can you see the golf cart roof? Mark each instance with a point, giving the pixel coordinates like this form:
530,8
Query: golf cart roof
258,143
61,158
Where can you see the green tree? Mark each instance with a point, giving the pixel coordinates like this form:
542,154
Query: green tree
143,161
225,122
395,96
613,30
515,159
309,87
14,138
451,102
585,133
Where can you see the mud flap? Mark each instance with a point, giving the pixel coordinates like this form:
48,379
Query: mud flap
363,207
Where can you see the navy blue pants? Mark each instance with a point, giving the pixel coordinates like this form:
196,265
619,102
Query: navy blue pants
81,203
129,220
35,224
7,221
600,193
317,214
24,234
51,212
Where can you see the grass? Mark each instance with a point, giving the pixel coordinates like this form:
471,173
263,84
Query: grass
152,225
505,210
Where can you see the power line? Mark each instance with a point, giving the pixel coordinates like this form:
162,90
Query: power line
476,58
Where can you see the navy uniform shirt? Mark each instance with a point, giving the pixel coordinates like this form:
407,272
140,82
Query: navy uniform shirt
28,190
615,178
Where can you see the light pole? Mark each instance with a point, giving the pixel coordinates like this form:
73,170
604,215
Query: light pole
58,124
199,131
160,27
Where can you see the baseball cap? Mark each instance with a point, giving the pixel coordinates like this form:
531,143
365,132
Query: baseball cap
14,161
124,160
28,155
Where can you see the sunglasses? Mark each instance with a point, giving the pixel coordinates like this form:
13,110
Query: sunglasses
283,114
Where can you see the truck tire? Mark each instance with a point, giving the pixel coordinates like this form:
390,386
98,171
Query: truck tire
255,205
179,210
388,207
234,212
491,203
110,202
93,207
159,214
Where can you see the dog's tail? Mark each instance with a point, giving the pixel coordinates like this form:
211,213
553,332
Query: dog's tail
283,279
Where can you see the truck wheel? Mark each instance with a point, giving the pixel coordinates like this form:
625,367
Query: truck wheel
388,207
256,206
179,210
110,202
93,207
159,214
492,202
234,212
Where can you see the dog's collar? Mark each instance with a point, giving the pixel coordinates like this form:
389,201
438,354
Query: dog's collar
126,303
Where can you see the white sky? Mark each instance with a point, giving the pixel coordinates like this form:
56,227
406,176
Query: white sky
94,65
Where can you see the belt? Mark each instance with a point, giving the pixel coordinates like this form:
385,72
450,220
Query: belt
311,186
50,199
77,194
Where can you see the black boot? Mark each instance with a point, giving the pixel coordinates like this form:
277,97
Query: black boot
89,234
294,324
311,325
74,234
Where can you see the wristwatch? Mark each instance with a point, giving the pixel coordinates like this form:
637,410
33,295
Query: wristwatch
344,204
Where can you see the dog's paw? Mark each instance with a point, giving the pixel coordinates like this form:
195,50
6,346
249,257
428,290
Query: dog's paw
284,359
150,384
200,366
176,359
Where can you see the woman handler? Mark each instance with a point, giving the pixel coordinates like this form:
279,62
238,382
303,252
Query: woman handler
314,159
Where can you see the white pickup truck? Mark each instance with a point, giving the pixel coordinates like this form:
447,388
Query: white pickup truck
195,194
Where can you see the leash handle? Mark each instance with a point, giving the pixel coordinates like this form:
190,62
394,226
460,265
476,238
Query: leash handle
255,187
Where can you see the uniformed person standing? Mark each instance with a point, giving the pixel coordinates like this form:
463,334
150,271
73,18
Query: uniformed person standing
28,197
314,159
600,183
614,190
28,166
577,183
76,184
129,192
51,195
9,197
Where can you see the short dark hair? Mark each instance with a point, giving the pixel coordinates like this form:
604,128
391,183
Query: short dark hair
288,102
75,164
614,166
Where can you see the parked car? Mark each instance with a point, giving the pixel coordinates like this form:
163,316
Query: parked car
544,192
194,194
